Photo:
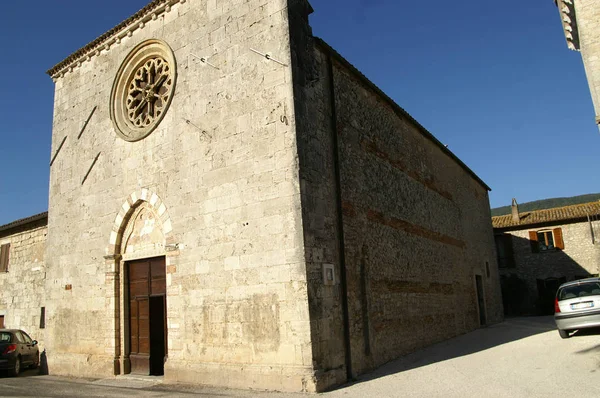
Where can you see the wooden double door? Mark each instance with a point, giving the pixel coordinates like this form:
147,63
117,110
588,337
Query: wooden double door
147,315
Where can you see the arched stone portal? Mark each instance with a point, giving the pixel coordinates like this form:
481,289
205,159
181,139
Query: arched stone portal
137,257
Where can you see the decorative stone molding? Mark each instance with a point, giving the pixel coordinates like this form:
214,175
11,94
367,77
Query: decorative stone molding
138,198
143,89
113,37
569,22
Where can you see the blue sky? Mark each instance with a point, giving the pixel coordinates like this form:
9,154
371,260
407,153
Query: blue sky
493,80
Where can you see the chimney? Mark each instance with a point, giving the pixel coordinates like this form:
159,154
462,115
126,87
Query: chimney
515,211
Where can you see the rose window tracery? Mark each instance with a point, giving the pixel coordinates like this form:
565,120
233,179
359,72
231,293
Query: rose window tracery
143,90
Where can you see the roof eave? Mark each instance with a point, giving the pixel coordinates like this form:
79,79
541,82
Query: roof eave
540,224
566,9
24,221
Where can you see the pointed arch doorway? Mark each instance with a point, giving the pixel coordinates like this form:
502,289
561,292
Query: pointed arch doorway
138,240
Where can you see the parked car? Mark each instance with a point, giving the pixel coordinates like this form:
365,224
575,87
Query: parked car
577,306
17,350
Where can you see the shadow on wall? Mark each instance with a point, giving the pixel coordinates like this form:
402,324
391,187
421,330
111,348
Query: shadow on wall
471,343
530,282
43,370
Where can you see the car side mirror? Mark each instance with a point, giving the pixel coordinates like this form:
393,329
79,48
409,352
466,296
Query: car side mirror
34,342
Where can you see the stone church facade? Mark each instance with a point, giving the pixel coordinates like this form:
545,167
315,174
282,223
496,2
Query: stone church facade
232,203
581,23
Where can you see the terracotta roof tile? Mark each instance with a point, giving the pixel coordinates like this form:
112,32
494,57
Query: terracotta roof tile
554,215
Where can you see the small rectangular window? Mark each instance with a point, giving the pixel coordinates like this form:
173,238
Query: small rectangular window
4,255
504,251
545,240
43,318
1,321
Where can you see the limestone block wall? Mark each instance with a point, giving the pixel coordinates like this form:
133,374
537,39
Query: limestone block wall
588,24
222,172
22,287
580,258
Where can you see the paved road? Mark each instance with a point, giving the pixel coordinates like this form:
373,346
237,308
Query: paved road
522,357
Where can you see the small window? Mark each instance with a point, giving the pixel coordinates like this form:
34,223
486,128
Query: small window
43,318
4,250
546,240
504,251
1,321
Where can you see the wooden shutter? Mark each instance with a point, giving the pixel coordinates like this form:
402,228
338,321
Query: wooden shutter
533,240
4,249
558,238
508,251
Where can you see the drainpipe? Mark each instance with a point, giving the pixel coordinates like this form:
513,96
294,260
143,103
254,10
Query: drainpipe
340,222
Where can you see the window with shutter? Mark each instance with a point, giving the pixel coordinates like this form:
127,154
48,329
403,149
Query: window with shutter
546,240
558,238
533,241
504,248
4,255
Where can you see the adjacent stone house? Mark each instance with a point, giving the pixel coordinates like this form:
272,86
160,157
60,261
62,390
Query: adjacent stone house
232,203
540,249
23,274
580,21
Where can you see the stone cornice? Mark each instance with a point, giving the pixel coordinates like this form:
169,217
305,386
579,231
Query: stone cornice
113,37
569,22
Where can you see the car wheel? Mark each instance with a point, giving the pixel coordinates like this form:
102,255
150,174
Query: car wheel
563,333
36,361
16,369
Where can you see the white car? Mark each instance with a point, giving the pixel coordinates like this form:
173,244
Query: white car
577,306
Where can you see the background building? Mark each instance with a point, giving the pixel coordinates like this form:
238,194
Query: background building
538,250
23,273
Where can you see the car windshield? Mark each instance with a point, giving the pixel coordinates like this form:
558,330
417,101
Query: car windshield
579,290
5,337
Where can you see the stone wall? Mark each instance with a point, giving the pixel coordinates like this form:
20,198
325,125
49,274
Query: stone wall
263,173
320,206
416,225
580,258
22,287
588,24
417,230
221,173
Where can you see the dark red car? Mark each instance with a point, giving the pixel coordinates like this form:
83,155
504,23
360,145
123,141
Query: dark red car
17,350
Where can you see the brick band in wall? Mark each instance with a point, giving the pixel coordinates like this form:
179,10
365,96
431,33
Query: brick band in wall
413,229
371,147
